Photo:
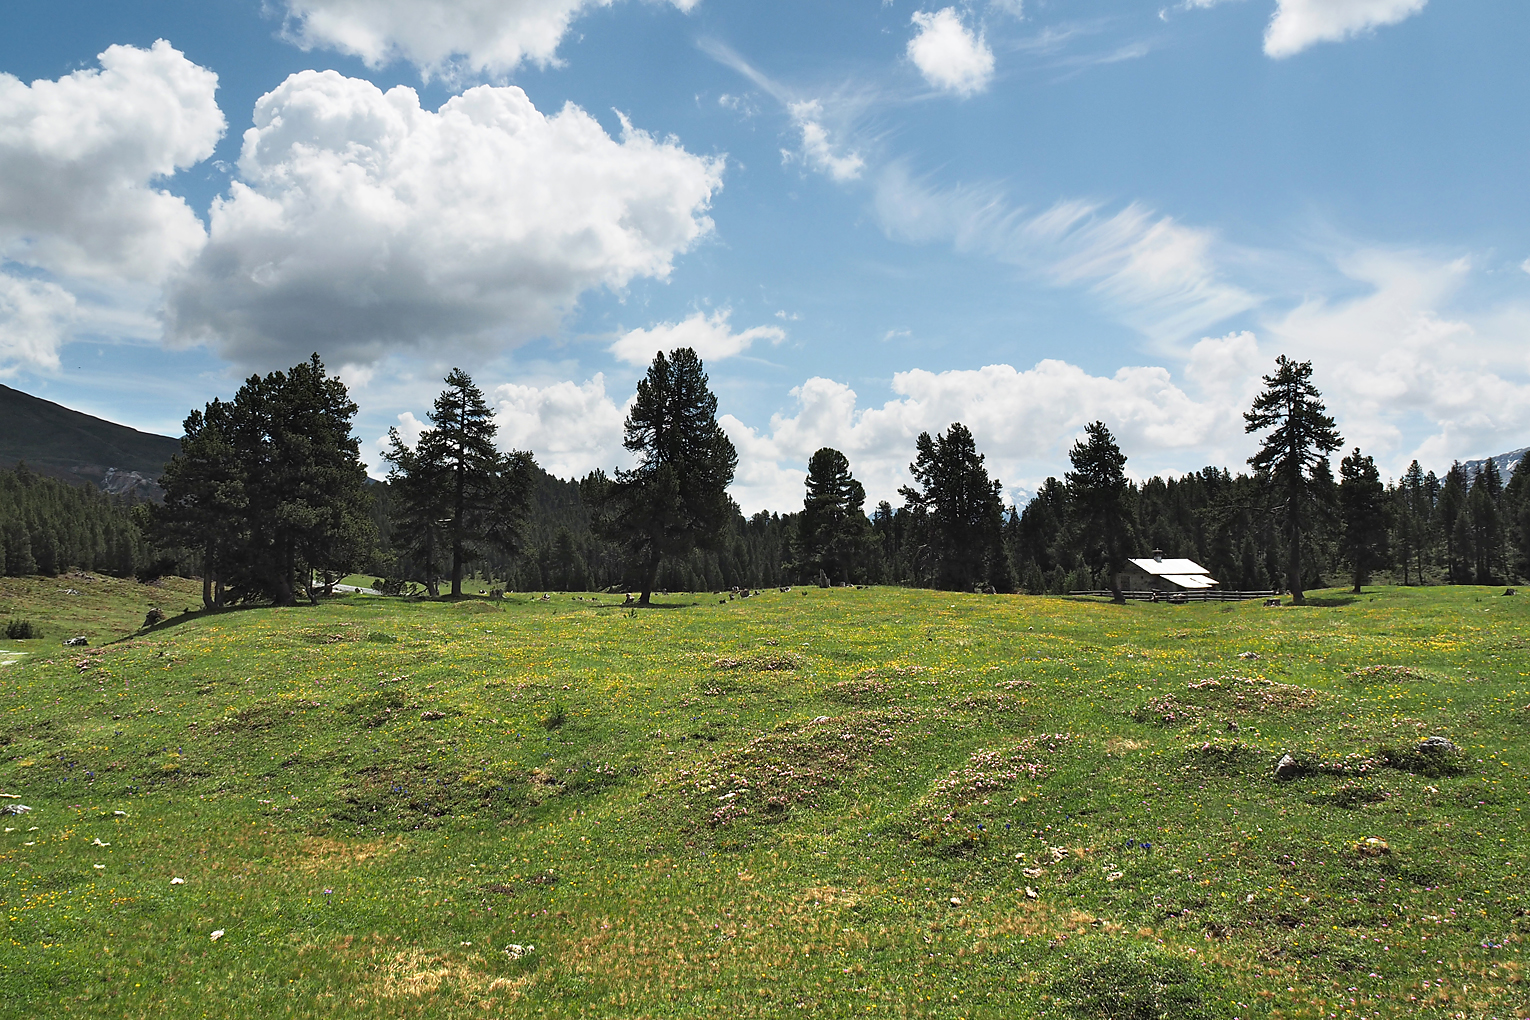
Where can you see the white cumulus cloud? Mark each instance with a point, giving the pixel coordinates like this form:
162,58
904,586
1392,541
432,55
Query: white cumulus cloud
1298,24
950,55
438,36
708,335
1023,420
1397,361
79,158
573,428
34,322
364,224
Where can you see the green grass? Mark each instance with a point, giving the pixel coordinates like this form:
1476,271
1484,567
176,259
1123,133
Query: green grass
823,802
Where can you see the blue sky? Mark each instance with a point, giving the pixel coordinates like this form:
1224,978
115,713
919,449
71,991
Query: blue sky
871,218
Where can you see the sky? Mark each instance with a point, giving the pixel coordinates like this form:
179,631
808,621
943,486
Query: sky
871,218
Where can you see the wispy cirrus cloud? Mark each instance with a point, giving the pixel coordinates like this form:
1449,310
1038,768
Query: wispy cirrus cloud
820,145
1159,275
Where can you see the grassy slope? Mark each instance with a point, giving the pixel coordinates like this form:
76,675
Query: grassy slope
656,803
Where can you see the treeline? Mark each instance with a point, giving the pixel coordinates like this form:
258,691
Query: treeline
1288,524
268,501
48,526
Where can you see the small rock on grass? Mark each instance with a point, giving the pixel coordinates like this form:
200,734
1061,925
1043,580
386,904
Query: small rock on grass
1287,768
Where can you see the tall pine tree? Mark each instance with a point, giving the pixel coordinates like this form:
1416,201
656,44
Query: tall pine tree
307,508
1364,516
676,499
1100,503
205,505
457,494
1290,456
832,529
965,509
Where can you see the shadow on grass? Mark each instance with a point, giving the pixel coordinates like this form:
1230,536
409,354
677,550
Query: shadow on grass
1331,601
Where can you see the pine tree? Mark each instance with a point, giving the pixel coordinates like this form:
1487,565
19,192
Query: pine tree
1449,522
1099,499
965,511
1516,505
205,504
307,508
1365,516
676,499
460,450
832,528
1414,508
1290,455
1486,527
417,491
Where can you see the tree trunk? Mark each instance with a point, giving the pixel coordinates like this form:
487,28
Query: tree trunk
284,596
1294,562
207,577
650,578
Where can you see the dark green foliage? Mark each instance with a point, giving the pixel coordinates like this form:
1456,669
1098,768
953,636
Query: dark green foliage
964,538
413,497
1412,504
21,630
1291,456
1423,760
832,529
48,526
1486,524
303,480
1100,502
1365,516
205,505
454,494
1449,523
1119,981
676,500
270,487
1516,504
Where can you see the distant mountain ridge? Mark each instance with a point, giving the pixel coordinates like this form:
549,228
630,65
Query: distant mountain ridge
1505,462
76,447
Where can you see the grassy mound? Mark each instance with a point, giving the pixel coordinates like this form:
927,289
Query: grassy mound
839,802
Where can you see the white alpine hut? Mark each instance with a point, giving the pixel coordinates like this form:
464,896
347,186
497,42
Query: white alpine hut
1155,573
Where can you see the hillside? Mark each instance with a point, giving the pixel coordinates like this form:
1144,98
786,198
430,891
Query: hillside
77,447
825,803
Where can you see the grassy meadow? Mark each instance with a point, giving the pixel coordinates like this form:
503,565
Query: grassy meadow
825,803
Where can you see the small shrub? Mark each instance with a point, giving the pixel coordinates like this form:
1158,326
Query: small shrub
860,691
1119,982
21,630
556,718
1350,794
1391,674
1166,710
381,638
1423,760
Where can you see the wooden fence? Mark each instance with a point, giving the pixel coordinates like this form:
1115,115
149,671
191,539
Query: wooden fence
1209,595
